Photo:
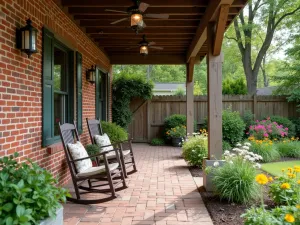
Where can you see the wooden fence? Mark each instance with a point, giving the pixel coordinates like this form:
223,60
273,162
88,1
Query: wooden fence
149,115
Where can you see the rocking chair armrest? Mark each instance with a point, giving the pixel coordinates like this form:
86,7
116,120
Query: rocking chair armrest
93,156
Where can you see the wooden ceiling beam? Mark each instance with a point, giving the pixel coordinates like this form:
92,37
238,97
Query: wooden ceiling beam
167,59
149,30
150,36
119,16
220,29
153,23
201,33
152,3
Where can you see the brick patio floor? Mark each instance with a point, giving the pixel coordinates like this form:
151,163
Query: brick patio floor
162,192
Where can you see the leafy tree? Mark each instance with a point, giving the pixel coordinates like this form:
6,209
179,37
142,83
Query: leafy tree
272,14
197,89
234,87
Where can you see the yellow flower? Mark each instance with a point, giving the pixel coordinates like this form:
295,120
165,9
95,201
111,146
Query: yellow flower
298,206
261,179
289,218
297,169
283,170
291,175
270,179
298,181
285,186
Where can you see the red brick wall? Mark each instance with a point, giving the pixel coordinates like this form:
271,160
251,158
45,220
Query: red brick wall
21,80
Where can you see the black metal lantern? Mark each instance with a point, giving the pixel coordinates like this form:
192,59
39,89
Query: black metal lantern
27,39
144,46
91,75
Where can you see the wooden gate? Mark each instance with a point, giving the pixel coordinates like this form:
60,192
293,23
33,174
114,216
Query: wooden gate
138,128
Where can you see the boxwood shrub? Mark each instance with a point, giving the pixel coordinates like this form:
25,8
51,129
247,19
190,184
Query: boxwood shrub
114,132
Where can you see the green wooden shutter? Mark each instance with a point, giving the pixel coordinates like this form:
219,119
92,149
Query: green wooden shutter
97,92
79,91
47,78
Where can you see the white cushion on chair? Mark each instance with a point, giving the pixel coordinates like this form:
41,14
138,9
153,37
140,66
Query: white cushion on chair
103,140
77,151
112,155
97,170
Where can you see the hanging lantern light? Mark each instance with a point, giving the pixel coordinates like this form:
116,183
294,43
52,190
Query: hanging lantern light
27,39
136,21
91,75
144,50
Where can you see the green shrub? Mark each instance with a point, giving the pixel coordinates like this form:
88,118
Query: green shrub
179,91
177,132
115,133
266,149
157,142
124,89
28,193
286,123
226,146
296,122
92,150
235,181
234,86
233,127
195,149
289,148
174,121
248,118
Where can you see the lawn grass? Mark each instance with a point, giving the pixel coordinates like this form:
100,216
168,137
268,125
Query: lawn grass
275,168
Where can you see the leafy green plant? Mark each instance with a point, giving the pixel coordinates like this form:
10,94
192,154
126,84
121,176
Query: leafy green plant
248,118
226,146
266,149
233,126
27,193
179,91
234,86
288,148
235,181
124,89
285,122
157,142
177,132
114,132
174,121
285,189
296,122
195,149
259,216
92,150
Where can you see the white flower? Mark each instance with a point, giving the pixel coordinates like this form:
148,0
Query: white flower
238,145
216,164
257,165
226,152
247,144
245,147
235,149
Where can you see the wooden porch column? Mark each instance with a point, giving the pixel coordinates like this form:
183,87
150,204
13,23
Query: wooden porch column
214,77
190,97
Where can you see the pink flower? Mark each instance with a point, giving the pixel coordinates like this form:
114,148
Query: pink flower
266,135
286,128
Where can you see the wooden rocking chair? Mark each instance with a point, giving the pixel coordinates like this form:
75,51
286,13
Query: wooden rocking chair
126,156
107,172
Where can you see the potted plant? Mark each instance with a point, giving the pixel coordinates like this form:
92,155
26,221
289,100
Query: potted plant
28,194
92,150
177,134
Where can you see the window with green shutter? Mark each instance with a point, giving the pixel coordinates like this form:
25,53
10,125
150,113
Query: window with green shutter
79,91
101,95
58,64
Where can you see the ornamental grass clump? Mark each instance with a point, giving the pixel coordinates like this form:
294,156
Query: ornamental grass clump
289,147
234,181
265,148
195,149
267,129
288,201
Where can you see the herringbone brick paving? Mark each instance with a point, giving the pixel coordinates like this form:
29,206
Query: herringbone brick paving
162,192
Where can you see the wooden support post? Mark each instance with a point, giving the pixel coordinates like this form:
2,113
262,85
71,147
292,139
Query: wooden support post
190,97
214,70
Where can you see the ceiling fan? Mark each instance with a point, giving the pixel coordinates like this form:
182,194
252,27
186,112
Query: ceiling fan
136,13
144,46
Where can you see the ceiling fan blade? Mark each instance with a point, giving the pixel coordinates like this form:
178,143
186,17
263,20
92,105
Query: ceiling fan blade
157,16
111,10
152,43
155,47
118,21
143,6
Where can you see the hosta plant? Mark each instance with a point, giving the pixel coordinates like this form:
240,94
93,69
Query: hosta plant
27,193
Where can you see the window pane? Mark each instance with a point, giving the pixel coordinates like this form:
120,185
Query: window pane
59,111
60,57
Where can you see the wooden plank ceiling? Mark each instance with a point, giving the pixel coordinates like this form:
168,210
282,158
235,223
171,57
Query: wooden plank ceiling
177,34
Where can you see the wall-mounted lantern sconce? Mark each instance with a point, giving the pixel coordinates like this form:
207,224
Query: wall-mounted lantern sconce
27,38
91,75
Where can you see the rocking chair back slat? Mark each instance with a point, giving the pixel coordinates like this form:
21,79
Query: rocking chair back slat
95,128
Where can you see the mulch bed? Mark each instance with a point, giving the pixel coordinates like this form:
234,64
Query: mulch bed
222,212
